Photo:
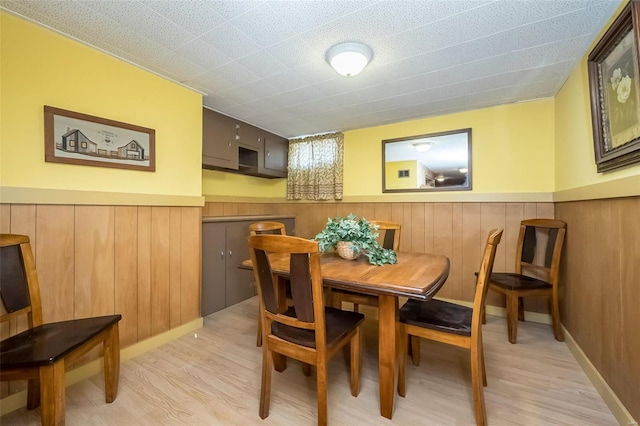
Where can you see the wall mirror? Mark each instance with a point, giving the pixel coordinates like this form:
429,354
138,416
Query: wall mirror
432,162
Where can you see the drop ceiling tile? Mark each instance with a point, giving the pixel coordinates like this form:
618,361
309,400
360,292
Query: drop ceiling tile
305,15
136,45
219,103
286,81
261,89
262,25
302,95
236,73
193,16
262,64
314,107
239,95
293,52
183,69
158,28
248,110
430,57
119,11
213,82
232,9
230,41
203,54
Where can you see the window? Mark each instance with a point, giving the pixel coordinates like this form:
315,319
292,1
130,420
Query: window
315,167
403,173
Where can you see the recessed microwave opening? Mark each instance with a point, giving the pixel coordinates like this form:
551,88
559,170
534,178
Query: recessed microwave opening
247,158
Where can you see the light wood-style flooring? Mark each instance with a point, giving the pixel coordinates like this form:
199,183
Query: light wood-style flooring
213,378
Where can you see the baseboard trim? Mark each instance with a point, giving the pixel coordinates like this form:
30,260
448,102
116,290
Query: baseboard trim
19,399
618,409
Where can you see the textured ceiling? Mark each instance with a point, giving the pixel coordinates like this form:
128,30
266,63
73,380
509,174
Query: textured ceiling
264,61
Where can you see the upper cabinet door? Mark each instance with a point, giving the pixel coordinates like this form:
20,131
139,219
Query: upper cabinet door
276,153
250,136
219,144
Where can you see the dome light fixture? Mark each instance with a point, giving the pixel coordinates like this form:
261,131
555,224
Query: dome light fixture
349,58
422,146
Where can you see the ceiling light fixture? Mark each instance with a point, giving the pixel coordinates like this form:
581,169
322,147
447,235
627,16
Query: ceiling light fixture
440,178
422,146
463,170
350,58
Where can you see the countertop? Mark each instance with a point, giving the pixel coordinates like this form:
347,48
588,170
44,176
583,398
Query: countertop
207,219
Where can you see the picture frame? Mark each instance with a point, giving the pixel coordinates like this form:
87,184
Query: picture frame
614,88
75,138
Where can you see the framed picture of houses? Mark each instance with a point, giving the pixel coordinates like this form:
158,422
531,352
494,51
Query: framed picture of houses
76,138
614,81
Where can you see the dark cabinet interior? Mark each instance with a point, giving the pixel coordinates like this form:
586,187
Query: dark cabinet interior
234,146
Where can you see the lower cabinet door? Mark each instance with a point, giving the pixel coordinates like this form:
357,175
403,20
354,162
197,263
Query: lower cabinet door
239,283
213,267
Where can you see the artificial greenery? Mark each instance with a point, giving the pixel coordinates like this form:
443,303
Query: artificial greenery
360,233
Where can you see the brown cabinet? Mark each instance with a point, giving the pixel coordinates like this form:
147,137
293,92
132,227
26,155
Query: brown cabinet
234,146
219,140
250,136
224,248
276,154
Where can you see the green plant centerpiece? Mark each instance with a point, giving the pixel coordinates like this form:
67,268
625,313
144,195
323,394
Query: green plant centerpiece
359,232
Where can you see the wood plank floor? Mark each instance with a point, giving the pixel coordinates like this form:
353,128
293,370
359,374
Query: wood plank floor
214,379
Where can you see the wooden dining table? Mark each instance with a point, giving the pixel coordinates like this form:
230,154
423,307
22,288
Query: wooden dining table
415,275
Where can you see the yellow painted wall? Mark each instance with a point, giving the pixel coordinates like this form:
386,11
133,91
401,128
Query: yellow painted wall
395,182
574,153
215,183
512,148
40,67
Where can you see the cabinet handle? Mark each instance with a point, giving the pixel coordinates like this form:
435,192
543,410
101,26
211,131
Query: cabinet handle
222,255
268,153
229,144
230,253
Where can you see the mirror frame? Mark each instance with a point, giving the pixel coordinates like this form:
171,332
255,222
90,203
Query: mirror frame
469,186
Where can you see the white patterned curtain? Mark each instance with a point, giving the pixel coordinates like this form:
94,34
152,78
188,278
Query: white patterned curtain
315,167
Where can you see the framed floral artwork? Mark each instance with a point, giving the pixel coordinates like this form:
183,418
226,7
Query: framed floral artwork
614,82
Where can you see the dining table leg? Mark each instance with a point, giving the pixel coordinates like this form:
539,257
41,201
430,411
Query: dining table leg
387,351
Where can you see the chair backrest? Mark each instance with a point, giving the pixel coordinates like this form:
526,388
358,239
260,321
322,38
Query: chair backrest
260,228
305,280
19,287
539,248
391,230
482,281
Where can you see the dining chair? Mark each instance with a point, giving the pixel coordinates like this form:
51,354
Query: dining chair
41,353
390,237
262,228
309,331
452,324
536,274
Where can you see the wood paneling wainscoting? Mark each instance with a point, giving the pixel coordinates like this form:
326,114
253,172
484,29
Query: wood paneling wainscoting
142,262
600,289
457,230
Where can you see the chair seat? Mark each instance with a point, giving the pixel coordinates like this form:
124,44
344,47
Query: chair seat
338,324
48,343
437,315
516,282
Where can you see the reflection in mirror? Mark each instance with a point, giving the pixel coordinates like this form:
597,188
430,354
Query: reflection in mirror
433,162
